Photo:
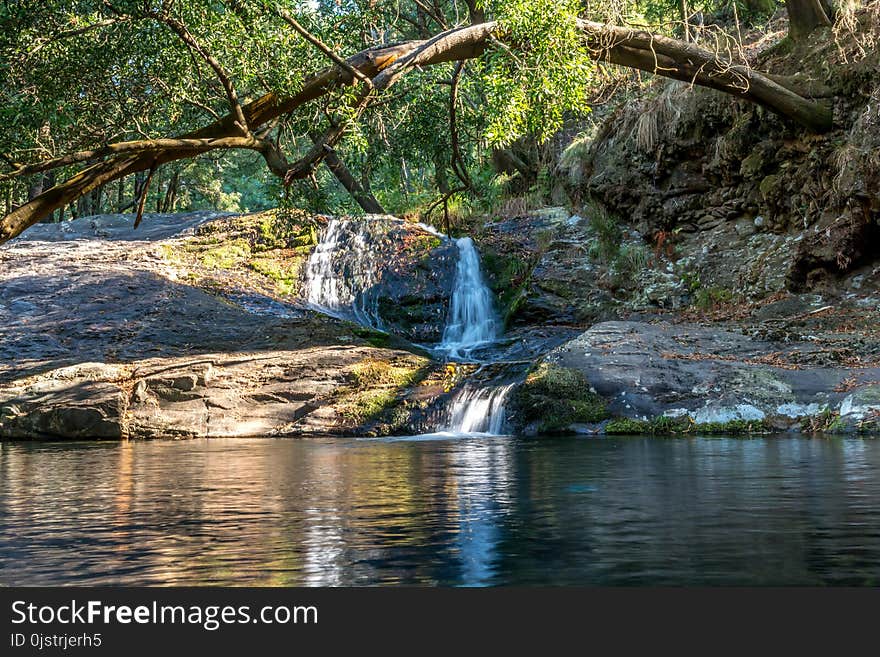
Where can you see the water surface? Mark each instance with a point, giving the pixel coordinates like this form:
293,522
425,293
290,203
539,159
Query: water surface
448,511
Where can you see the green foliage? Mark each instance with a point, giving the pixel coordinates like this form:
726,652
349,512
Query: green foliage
608,235
78,75
608,247
556,397
529,91
668,426
631,259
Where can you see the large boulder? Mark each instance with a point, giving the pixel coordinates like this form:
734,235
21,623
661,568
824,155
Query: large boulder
645,371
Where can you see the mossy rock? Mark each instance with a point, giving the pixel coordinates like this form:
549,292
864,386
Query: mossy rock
671,426
554,398
377,386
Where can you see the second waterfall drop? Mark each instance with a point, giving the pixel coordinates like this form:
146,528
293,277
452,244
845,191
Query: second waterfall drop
472,321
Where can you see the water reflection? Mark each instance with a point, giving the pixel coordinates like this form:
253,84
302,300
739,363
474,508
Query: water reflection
477,511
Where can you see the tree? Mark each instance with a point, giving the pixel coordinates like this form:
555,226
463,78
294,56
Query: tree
183,68
804,17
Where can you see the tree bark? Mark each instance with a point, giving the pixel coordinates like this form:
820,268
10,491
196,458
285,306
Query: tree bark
120,195
683,12
362,196
36,187
171,193
805,16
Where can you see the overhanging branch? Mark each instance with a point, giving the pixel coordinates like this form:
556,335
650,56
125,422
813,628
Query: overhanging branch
384,66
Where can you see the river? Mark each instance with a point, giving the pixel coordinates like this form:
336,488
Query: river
472,511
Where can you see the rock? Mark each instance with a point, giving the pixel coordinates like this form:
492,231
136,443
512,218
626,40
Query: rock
119,347
744,227
714,376
770,187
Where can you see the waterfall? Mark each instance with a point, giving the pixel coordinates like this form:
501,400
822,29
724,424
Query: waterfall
472,321
343,278
342,271
478,410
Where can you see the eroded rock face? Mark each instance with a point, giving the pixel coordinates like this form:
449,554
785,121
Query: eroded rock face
102,337
716,376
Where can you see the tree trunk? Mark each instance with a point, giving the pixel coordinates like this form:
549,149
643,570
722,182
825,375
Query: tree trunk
36,187
683,12
171,193
506,161
96,200
49,183
362,196
159,195
805,16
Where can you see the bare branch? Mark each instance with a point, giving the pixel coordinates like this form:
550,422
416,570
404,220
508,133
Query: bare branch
458,165
143,200
181,31
128,147
320,45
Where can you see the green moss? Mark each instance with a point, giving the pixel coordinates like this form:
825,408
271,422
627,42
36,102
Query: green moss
375,338
226,256
624,426
373,372
709,297
405,312
428,243
367,405
733,428
556,397
377,387
667,426
508,276
282,229
285,273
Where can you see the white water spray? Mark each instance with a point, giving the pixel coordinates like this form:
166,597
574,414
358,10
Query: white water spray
342,278
479,410
472,321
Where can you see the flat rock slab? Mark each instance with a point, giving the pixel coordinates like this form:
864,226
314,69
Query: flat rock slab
646,370
100,338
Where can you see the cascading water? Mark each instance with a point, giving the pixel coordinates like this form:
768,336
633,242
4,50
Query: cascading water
472,321
342,271
479,410
342,278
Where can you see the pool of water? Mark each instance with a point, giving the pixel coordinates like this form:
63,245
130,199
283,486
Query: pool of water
442,511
